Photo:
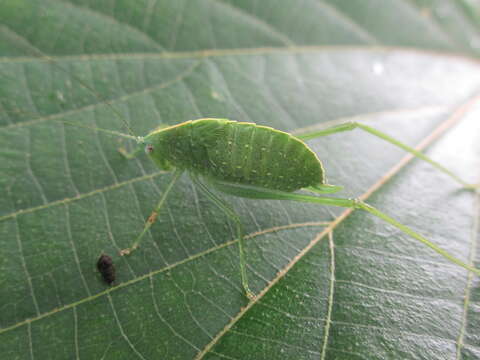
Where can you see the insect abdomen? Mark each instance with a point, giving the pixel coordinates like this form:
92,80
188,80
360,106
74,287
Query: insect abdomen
257,155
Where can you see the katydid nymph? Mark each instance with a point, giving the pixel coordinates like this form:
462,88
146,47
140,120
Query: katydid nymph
252,161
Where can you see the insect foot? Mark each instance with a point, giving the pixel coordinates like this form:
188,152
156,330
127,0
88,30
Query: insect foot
473,187
250,295
357,204
151,219
123,151
106,268
128,251
128,155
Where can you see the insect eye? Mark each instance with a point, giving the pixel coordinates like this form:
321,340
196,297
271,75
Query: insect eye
149,149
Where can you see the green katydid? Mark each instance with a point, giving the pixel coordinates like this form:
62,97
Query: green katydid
251,161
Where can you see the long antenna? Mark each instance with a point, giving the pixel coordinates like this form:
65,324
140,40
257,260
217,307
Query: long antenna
86,86
138,139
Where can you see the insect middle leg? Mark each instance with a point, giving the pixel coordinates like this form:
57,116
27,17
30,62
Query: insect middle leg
239,227
153,216
355,125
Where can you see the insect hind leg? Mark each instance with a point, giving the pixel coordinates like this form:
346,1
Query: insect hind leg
349,126
254,192
239,227
324,188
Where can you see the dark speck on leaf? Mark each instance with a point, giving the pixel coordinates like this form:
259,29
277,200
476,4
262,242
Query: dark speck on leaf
106,268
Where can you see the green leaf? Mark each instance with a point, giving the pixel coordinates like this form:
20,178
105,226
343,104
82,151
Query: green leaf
355,288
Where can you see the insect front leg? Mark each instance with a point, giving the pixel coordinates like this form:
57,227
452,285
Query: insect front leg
240,234
349,126
132,154
153,216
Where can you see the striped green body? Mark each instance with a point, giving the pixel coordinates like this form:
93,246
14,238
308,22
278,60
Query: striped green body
237,152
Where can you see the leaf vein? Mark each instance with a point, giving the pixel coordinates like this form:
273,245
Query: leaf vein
25,268
159,271
470,282
122,331
331,293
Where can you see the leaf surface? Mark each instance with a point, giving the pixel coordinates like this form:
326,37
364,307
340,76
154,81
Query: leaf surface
331,285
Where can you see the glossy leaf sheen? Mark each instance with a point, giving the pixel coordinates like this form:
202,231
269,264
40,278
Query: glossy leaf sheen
367,292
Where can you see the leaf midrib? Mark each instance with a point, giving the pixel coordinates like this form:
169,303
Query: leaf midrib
264,50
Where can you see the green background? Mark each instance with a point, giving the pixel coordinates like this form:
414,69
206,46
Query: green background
357,289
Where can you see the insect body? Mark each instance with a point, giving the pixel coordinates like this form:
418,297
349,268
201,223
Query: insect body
237,152
247,160
106,268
